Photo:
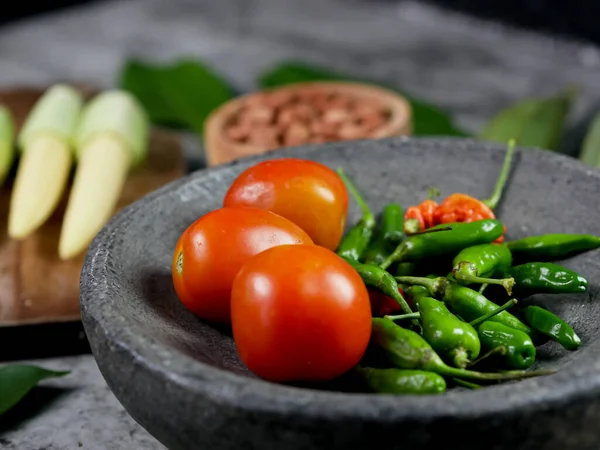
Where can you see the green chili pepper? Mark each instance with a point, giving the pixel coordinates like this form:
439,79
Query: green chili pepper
417,291
465,302
399,381
407,350
405,268
389,234
547,278
544,321
392,223
422,246
381,280
477,263
550,247
488,259
518,352
357,239
450,337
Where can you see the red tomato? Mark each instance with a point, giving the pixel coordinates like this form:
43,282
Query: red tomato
300,313
210,252
308,193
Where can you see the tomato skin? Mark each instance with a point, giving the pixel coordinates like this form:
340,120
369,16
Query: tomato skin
215,247
299,313
306,192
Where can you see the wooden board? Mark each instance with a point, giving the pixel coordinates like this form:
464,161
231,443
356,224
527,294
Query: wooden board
35,285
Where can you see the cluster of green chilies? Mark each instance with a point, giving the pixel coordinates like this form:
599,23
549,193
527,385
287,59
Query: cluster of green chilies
455,326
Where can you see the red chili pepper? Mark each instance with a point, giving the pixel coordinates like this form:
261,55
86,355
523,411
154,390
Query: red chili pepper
414,212
460,207
455,208
424,213
383,305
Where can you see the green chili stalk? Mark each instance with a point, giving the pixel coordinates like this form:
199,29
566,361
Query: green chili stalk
414,315
463,272
433,192
497,350
358,198
466,384
488,316
432,230
357,239
494,199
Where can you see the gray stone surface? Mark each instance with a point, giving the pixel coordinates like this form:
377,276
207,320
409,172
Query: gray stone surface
77,411
182,379
467,66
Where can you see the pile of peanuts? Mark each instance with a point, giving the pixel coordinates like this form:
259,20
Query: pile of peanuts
288,117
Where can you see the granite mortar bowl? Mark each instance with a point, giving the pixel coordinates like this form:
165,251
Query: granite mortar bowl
181,378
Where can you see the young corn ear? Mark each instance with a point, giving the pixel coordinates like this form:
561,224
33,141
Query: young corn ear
112,136
46,144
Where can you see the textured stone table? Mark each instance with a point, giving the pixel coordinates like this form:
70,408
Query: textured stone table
75,412
469,67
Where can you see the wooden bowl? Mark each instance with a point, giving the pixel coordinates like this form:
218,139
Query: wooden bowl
268,120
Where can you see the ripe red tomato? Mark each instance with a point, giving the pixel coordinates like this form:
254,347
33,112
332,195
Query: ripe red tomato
308,193
299,313
211,250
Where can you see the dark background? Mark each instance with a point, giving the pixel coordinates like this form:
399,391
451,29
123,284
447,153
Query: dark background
573,18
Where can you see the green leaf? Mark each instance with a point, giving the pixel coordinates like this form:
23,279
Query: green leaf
17,380
510,122
537,122
590,153
428,120
181,94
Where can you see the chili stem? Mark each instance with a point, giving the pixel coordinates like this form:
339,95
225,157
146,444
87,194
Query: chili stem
433,192
506,283
358,198
500,349
432,230
466,384
415,315
508,304
473,375
483,287
435,286
411,226
494,199
396,255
